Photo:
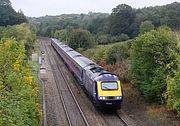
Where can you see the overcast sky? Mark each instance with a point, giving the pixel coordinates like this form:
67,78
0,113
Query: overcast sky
35,8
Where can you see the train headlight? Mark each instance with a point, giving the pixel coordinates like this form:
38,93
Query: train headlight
118,97
102,98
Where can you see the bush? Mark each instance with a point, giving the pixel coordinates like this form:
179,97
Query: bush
146,26
102,39
117,53
21,33
119,38
152,61
61,35
19,92
79,38
173,87
172,94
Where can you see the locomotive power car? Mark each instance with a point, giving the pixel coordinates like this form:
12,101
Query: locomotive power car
103,86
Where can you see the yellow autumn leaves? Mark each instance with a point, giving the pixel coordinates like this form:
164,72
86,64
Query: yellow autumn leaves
19,89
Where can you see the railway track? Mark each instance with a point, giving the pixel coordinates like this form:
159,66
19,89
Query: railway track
69,101
112,118
66,92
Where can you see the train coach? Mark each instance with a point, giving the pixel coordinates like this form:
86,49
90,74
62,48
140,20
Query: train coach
103,87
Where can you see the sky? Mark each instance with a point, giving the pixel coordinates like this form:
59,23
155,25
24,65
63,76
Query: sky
36,8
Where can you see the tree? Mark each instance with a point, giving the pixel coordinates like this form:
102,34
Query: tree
21,33
146,26
19,104
5,3
102,39
79,38
61,35
97,25
8,16
172,94
152,61
121,19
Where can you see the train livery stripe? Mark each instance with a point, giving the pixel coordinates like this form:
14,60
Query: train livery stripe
109,92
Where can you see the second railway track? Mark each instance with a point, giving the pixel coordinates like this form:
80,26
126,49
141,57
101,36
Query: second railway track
74,114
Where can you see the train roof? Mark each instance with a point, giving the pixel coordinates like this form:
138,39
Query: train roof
67,48
106,77
57,41
83,61
96,71
74,54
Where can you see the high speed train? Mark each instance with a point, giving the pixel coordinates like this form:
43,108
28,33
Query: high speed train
103,87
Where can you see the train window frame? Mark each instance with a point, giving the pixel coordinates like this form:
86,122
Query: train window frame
96,69
109,89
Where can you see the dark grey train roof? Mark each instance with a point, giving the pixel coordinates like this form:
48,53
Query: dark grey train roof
80,59
106,77
67,49
74,54
83,61
57,41
95,71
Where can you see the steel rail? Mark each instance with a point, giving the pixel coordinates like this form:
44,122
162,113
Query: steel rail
59,89
74,98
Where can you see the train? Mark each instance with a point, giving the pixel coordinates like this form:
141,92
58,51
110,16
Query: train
103,87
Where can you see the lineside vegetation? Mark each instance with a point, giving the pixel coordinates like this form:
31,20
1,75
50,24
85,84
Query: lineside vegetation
19,90
150,62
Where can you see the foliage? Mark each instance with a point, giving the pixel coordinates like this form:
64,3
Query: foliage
8,16
80,39
119,38
146,26
152,61
121,19
173,87
94,22
97,24
103,54
62,35
123,23
19,104
21,33
118,53
102,39
172,94
162,15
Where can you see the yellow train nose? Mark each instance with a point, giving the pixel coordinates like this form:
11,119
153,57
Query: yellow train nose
108,90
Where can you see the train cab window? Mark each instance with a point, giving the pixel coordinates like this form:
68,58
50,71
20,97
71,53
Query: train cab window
109,86
96,69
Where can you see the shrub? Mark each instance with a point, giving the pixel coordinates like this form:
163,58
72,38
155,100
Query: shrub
146,26
19,92
152,61
117,53
79,38
102,39
21,33
61,35
119,38
173,87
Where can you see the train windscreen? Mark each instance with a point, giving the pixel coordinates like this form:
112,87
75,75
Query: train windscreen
109,86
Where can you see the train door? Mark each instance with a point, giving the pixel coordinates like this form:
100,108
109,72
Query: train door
86,80
83,77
